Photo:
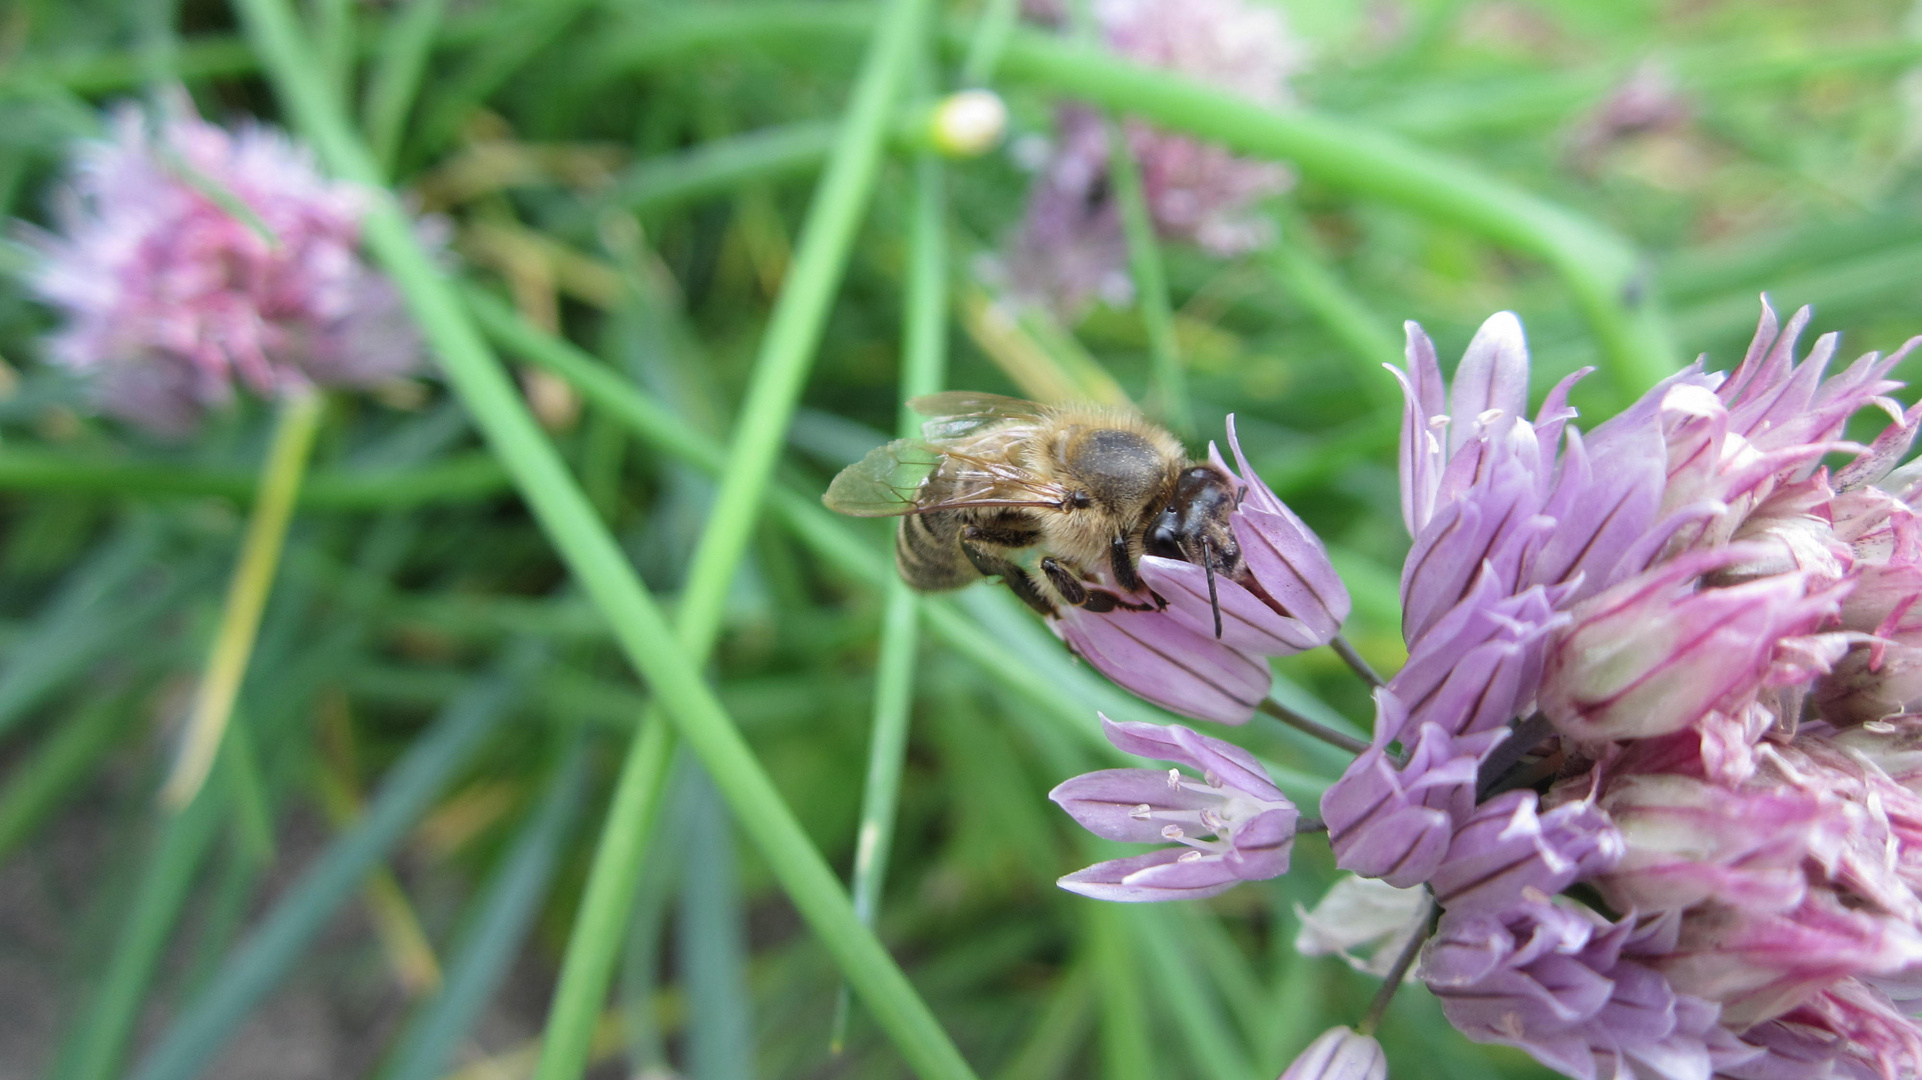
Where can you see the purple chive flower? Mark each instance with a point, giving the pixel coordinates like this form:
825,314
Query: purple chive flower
1575,991
1506,851
1070,248
1395,822
1656,653
187,258
1288,600
1726,638
1340,1053
1156,657
1252,823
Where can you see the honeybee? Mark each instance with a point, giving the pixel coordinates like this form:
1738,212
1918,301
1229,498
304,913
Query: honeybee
1083,490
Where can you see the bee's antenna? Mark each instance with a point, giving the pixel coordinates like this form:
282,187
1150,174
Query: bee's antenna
1214,601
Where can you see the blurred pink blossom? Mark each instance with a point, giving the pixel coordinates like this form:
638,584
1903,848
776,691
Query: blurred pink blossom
186,257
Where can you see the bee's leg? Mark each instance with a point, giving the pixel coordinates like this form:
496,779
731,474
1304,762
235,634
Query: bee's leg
992,565
1065,583
1124,566
1101,601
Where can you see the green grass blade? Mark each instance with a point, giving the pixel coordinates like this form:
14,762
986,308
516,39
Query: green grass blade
461,478
269,953
600,566
1369,341
1127,1037
619,854
1170,383
395,81
781,368
100,1043
527,28
924,365
991,29
722,165
85,618
46,777
711,937
1211,1043
502,915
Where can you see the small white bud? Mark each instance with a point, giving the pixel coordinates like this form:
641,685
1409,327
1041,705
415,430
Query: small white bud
969,123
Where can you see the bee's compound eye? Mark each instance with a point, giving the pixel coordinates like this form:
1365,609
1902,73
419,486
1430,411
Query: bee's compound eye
1077,500
1163,541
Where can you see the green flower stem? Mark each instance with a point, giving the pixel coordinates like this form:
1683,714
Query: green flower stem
599,564
924,364
280,476
463,478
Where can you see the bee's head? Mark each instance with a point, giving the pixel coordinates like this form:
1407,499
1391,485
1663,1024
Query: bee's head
1194,525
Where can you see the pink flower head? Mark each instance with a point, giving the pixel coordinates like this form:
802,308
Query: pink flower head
1725,639
1575,991
1234,801
1070,248
187,257
1287,600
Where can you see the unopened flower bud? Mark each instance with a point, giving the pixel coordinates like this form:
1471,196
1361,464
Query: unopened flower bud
1340,1053
969,123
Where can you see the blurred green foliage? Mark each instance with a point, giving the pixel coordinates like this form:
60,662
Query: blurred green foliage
634,178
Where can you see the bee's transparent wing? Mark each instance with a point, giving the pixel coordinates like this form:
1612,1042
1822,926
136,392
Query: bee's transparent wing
885,482
958,414
889,482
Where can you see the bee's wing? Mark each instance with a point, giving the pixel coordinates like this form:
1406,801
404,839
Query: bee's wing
888,482
960,413
885,482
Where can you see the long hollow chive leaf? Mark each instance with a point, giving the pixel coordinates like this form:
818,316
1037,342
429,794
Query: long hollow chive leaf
923,371
100,1043
592,946
459,478
92,612
1151,283
294,429
710,945
488,941
1127,1038
46,777
602,568
269,953
780,370
1211,1044
400,59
